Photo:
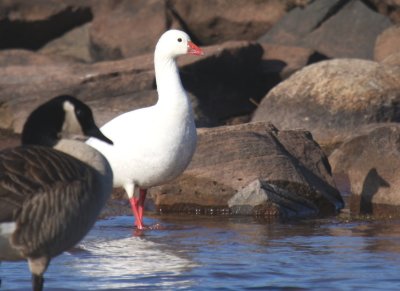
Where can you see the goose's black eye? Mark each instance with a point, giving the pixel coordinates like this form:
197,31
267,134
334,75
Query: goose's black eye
179,40
78,112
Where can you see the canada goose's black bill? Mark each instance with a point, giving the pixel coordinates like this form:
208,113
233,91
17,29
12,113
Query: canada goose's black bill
95,132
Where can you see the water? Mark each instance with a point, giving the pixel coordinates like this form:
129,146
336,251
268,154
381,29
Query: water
222,253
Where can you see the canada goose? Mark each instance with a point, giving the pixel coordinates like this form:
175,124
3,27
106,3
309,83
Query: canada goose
154,145
51,188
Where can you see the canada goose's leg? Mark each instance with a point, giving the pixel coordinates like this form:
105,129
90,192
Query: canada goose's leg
37,282
38,266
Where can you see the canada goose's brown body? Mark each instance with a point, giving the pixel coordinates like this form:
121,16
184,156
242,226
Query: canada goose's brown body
50,197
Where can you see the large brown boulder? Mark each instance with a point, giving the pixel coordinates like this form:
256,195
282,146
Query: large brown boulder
371,160
334,98
253,169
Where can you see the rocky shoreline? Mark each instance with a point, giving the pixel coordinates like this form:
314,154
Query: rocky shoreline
289,94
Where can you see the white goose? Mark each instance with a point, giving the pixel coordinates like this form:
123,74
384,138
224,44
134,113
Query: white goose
51,189
154,145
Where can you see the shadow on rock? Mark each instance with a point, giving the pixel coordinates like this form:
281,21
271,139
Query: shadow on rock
373,181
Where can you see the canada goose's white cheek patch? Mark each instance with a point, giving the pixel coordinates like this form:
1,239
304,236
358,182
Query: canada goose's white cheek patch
71,124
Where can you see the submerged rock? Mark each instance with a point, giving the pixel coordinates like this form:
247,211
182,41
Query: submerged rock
253,169
261,198
371,160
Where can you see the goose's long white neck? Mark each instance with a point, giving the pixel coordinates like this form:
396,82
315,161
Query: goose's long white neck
84,153
169,86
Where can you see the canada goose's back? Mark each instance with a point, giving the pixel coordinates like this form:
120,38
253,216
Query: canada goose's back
53,198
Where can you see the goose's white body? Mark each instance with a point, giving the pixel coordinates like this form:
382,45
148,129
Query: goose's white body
151,146
154,145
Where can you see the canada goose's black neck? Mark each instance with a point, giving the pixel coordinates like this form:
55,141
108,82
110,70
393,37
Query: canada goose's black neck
44,124
60,117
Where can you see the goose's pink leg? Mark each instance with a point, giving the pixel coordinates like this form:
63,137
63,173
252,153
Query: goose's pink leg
135,209
142,198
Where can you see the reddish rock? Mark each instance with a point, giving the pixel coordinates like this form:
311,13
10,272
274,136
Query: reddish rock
332,99
392,60
387,43
221,84
215,21
20,57
371,160
286,172
126,28
25,86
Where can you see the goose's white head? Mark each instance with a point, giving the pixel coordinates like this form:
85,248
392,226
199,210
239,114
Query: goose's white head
174,43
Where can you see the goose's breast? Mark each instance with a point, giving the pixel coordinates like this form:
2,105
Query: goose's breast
171,154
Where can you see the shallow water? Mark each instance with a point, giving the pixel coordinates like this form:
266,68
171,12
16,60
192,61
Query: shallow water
222,253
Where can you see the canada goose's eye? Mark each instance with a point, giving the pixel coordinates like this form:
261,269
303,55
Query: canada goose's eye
179,40
78,112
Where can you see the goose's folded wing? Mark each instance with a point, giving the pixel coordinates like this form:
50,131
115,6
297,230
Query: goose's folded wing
57,218
26,171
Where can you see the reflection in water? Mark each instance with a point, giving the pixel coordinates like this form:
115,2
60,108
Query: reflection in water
125,257
214,253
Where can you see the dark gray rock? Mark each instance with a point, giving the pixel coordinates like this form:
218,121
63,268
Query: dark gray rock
288,31
351,33
264,199
335,29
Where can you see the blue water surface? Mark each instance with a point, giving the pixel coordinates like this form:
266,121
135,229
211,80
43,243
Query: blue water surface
225,253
